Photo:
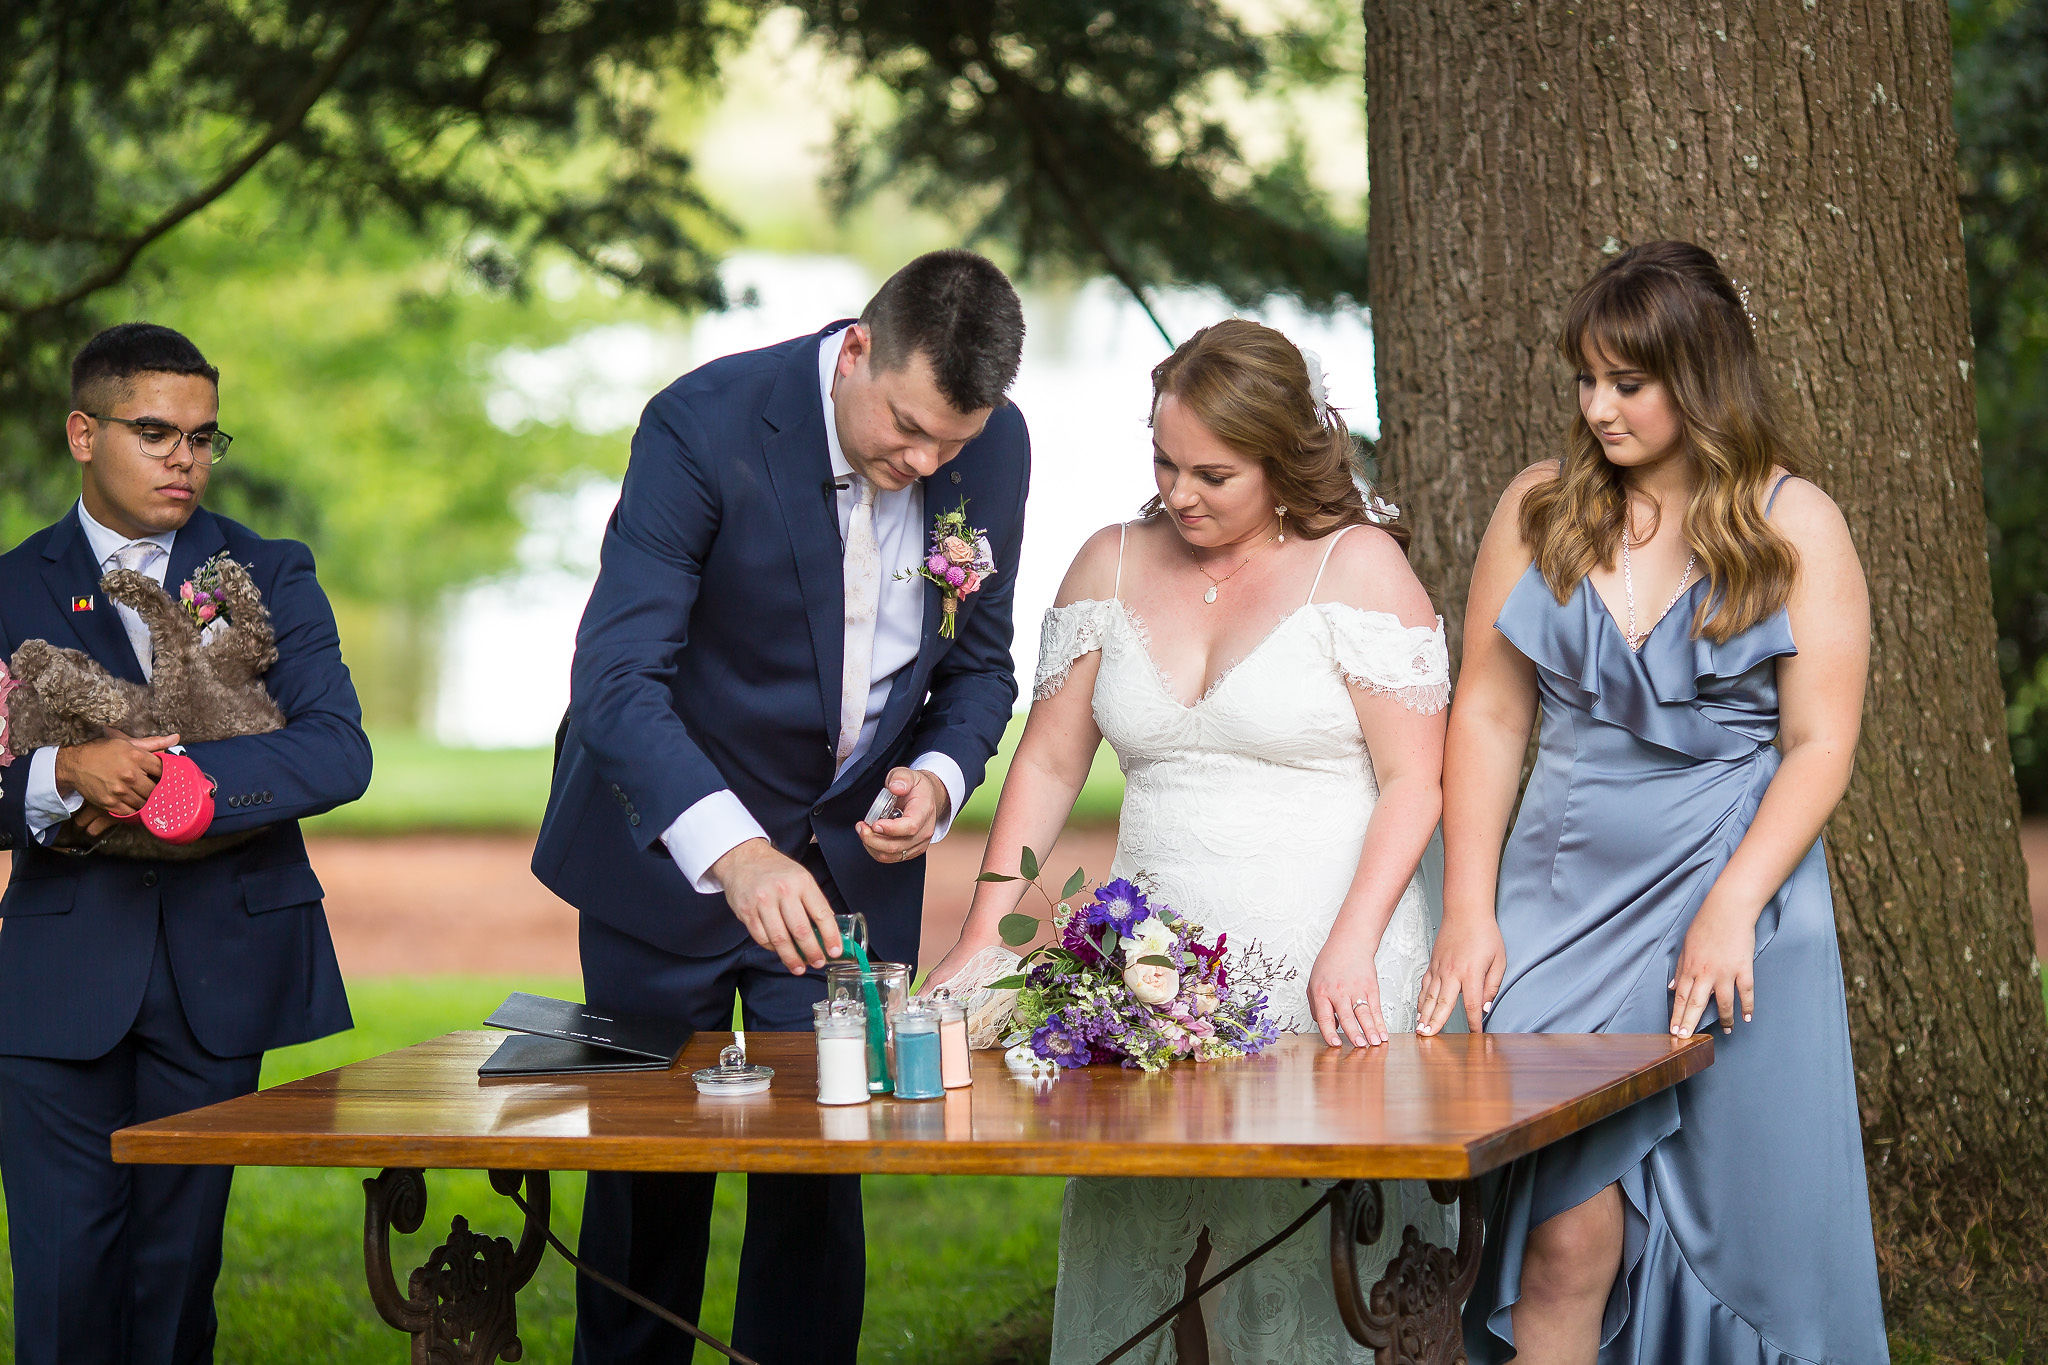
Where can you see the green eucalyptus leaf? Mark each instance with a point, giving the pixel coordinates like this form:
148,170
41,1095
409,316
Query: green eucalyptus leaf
1074,883
1008,983
994,877
1017,930
1153,960
1028,865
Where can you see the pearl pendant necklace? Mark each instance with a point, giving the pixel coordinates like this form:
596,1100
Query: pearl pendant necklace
1215,583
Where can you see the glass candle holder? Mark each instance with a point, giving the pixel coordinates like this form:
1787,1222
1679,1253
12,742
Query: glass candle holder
955,1067
890,984
917,1051
842,1029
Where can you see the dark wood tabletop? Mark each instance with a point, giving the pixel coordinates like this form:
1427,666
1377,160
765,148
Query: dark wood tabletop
1440,1108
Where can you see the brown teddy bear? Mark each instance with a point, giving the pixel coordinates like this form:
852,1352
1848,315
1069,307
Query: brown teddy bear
206,684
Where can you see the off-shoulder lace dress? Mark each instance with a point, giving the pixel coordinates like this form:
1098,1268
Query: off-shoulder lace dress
1246,811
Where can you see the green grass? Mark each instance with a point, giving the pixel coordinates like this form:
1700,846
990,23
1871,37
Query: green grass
949,1259
420,786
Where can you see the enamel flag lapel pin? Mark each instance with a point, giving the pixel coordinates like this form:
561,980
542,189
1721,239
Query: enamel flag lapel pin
81,604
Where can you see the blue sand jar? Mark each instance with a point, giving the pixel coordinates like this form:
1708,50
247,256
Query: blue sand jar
917,1051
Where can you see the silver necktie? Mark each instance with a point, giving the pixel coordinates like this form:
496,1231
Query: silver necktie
863,576
136,555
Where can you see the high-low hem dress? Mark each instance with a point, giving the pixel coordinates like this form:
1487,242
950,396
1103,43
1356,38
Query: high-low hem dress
1747,1216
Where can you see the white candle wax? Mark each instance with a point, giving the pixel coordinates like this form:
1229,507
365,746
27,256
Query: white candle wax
842,1070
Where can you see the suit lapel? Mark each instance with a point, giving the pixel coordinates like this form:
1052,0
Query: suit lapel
799,468
71,573
199,541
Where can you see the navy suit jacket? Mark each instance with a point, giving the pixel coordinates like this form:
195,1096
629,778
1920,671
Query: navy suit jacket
709,656
245,928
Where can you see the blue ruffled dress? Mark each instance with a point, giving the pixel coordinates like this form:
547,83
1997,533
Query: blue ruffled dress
1747,1215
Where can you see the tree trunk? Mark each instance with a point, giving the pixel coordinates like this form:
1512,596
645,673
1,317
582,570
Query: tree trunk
1514,146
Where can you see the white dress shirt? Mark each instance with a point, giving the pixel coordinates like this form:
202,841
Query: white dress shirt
719,823
42,805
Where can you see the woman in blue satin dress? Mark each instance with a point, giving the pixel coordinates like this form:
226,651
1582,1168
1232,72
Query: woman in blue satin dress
1692,621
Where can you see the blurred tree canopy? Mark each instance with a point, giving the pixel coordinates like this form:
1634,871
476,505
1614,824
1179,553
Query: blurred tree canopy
501,133
2001,92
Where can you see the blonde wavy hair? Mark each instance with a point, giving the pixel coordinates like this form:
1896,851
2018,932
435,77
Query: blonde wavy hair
1249,386
1668,309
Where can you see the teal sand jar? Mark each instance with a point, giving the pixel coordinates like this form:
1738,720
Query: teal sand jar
917,1051
880,987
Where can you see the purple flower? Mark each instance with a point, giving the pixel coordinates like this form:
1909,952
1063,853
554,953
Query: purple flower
955,575
1074,938
1119,905
1054,1044
937,563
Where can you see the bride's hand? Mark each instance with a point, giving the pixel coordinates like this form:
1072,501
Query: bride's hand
1470,959
1344,993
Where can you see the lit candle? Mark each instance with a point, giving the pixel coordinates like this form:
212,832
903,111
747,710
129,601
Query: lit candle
842,1051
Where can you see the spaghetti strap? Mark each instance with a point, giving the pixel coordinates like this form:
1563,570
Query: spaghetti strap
1123,530
1772,501
1326,563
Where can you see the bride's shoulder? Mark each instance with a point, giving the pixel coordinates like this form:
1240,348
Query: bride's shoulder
1093,574
1368,570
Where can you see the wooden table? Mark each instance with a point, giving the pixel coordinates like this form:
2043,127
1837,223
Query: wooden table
1442,1109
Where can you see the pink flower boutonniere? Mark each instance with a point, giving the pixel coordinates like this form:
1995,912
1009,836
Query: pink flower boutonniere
959,562
202,595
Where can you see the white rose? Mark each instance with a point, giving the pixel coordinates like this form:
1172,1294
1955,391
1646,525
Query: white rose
1152,985
1153,939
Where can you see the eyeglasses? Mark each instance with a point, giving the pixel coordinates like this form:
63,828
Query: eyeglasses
159,440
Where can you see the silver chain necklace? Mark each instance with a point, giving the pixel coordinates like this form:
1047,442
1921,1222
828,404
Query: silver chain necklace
1628,583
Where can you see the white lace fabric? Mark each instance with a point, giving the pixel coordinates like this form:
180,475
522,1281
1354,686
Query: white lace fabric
1245,811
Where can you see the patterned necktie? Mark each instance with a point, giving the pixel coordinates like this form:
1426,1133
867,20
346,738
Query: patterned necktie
863,575
136,555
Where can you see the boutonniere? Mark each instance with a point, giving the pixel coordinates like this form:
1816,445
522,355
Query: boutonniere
959,562
202,595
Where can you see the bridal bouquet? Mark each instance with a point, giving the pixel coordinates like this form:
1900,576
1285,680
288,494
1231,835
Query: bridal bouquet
1132,981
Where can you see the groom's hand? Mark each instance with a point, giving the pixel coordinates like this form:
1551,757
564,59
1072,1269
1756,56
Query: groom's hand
908,835
780,904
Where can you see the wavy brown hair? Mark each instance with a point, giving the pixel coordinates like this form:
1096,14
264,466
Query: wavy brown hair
1249,386
1667,309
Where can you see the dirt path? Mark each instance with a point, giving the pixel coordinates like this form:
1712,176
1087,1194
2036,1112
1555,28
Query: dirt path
436,904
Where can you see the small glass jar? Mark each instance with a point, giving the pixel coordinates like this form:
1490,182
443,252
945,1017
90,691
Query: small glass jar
955,1067
842,1029
917,1075
890,984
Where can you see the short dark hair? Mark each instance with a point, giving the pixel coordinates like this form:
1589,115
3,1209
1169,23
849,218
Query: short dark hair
962,313
103,366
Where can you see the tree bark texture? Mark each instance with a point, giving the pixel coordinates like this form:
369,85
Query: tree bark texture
1514,147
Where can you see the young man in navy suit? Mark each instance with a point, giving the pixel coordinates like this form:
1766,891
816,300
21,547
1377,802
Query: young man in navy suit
755,664
133,989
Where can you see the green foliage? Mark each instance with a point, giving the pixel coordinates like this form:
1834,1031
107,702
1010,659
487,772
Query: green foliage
1083,131
2001,102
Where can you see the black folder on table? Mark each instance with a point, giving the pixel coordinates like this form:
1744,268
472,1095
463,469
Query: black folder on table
553,1036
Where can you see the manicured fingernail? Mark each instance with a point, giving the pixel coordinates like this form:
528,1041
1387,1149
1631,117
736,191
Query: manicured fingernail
1747,1018
1672,984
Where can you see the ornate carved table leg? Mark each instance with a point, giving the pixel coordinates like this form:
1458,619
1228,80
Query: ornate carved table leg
460,1306
1411,1316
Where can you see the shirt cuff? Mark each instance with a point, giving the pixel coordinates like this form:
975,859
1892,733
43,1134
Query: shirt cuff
706,832
41,805
952,779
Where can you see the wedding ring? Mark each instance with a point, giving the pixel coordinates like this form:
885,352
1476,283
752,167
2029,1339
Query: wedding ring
1361,1002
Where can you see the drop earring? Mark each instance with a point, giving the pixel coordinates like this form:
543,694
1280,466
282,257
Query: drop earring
1281,512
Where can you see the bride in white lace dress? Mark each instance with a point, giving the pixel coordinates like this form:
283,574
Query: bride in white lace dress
1279,727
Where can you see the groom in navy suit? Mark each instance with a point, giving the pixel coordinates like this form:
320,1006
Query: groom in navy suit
132,989
754,666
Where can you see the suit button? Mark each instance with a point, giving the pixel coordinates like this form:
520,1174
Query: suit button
632,819
149,879
266,798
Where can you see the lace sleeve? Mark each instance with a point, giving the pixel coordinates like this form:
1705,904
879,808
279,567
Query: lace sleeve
1067,634
1376,653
